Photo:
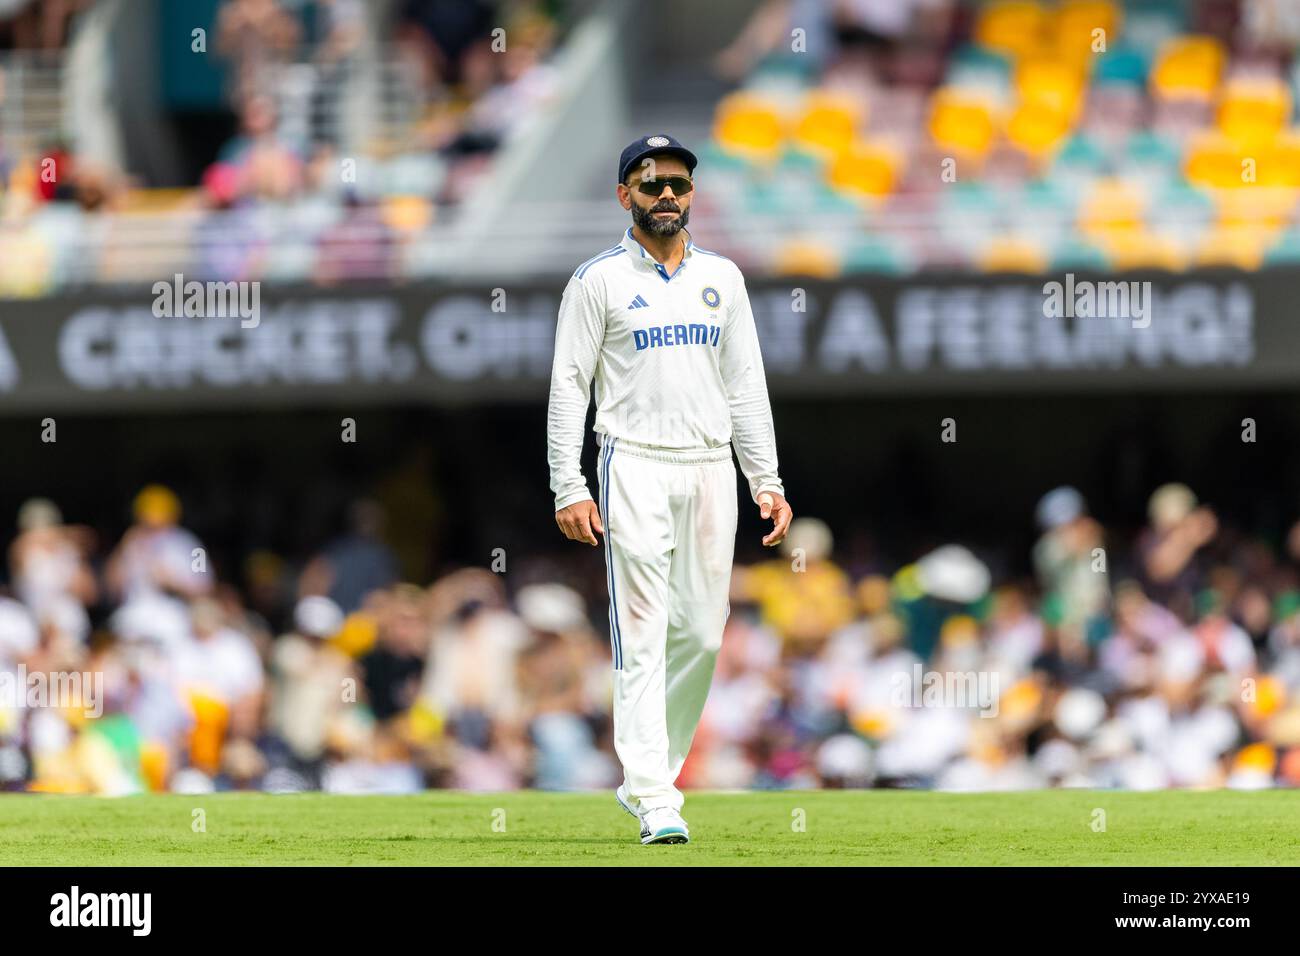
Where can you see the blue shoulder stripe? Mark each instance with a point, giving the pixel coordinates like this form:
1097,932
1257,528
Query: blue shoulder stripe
607,254
603,252
708,253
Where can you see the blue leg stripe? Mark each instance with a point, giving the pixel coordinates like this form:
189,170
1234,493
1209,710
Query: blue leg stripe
616,631
609,580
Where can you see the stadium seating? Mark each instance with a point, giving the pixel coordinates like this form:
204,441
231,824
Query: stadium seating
1137,141
1095,124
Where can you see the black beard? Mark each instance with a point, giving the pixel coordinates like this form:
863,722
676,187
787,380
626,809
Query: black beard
667,228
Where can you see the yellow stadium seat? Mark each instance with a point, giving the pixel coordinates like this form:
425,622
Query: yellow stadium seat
1278,163
1013,27
1037,128
1074,30
805,258
865,169
1139,249
1254,110
1050,82
1188,67
1265,209
1012,254
749,124
1112,207
828,124
1238,247
1217,162
962,121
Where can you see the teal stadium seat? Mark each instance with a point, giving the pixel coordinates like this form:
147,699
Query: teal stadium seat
1286,251
1077,255
978,67
1122,64
1149,23
875,255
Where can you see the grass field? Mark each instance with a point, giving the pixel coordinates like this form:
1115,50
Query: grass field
530,828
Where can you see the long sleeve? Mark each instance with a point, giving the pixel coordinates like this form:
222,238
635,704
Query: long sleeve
578,337
752,432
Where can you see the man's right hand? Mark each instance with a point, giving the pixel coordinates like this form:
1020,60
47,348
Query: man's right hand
578,520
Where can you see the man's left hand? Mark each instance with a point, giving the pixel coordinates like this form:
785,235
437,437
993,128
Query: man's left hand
774,506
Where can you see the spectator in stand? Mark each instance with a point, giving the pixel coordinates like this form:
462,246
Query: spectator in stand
310,689
343,29
523,85
49,570
354,565
563,678
37,24
458,688
255,35
221,675
156,557
56,174
268,171
448,43
12,13
393,666
473,679
804,595
231,242
767,33
1071,563
1168,549
358,247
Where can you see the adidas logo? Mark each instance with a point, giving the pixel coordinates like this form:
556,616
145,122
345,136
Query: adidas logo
639,303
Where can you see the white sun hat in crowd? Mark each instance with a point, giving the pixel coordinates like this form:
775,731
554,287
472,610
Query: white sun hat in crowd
555,608
811,536
1079,712
952,573
317,616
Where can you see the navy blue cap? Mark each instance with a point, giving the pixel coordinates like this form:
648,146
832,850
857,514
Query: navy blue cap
650,146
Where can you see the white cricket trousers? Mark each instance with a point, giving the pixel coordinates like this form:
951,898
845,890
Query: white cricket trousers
670,536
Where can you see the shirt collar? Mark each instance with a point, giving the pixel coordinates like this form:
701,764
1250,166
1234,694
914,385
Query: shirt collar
637,252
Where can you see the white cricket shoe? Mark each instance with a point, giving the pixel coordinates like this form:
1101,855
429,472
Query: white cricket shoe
663,825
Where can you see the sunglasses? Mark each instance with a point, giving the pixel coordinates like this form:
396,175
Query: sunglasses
680,185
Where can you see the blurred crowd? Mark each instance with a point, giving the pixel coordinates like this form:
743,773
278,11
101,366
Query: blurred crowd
855,136
1171,663
37,24
294,194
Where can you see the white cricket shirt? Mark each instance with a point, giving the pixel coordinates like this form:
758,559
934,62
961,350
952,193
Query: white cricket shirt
675,359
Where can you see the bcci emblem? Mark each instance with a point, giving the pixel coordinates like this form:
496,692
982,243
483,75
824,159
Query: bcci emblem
657,141
711,297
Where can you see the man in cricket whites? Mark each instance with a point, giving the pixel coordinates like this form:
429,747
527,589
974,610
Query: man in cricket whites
665,330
